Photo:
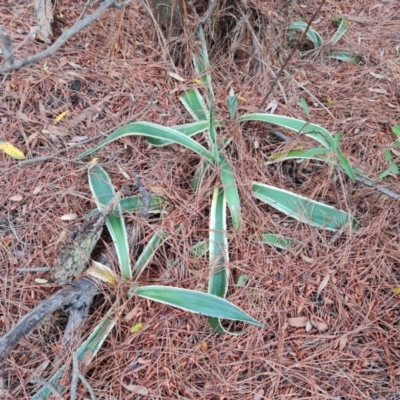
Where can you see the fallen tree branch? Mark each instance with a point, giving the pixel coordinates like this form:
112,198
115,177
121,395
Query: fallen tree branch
75,297
12,65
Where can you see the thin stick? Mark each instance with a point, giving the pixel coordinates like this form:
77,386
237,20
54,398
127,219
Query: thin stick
278,75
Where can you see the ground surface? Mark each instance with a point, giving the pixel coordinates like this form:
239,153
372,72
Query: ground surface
119,61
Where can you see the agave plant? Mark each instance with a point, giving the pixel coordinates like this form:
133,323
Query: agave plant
318,42
201,108
208,304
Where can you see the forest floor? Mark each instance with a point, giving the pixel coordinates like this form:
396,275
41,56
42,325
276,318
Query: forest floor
119,70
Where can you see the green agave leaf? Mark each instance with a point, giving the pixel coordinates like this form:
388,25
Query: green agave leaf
312,34
387,155
309,154
202,63
194,103
232,104
103,192
213,135
134,204
396,130
199,175
384,174
278,241
242,280
213,131
150,130
304,105
343,161
346,56
219,255
201,248
394,168
231,192
189,130
147,254
303,209
196,302
342,29
314,131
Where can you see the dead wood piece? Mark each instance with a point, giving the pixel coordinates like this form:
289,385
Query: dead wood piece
75,254
74,297
44,16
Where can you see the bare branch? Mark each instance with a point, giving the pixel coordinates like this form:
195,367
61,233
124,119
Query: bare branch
74,296
66,35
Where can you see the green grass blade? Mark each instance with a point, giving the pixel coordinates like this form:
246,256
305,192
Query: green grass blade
314,131
150,130
348,56
278,241
103,192
189,130
231,192
195,302
310,154
303,209
312,34
342,29
219,255
194,103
